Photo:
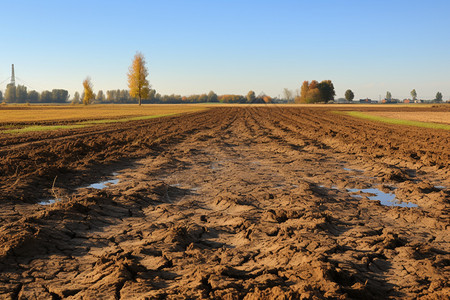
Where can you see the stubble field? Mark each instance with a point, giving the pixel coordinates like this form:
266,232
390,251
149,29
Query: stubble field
436,117
231,202
63,114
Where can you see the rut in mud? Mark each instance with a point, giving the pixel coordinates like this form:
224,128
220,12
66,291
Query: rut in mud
230,203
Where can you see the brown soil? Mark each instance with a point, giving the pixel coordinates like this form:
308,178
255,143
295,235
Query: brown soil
233,203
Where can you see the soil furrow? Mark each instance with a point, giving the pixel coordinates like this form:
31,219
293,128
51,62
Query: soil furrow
236,203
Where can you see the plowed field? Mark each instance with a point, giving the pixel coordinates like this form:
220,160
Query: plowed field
229,203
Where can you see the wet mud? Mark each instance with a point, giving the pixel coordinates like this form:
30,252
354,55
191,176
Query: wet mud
231,203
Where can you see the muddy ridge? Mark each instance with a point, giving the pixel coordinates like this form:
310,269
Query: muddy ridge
230,203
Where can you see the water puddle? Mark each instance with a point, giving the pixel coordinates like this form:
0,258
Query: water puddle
386,199
98,186
103,184
48,202
353,170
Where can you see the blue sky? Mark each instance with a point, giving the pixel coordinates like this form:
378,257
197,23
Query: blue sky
230,46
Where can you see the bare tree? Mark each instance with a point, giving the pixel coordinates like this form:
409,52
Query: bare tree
288,94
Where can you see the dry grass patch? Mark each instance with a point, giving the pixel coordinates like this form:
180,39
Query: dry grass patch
421,116
372,117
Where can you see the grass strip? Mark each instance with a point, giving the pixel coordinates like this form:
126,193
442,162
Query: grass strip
361,115
36,128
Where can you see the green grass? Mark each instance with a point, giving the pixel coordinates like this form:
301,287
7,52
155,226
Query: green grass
36,128
362,115
7,126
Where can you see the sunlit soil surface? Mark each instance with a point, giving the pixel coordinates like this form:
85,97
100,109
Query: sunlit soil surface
227,203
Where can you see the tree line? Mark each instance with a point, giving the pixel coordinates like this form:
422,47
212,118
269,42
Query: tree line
20,94
388,98
140,91
123,97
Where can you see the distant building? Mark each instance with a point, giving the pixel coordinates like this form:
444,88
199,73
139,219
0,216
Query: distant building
367,100
387,101
277,100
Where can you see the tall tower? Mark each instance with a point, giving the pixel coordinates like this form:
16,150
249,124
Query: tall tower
13,77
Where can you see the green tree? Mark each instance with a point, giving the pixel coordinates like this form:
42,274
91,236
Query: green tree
251,97
414,94
10,93
110,96
125,96
152,96
76,98
388,96
1,96
202,98
21,94
438,97
88,91
326,89
33,96
137,78
100,96
60,95
349,95
45,97
212,97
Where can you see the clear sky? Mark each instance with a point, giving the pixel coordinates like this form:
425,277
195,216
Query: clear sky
230,46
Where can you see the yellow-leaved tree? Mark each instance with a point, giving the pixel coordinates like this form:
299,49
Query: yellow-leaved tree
137,78
88,91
